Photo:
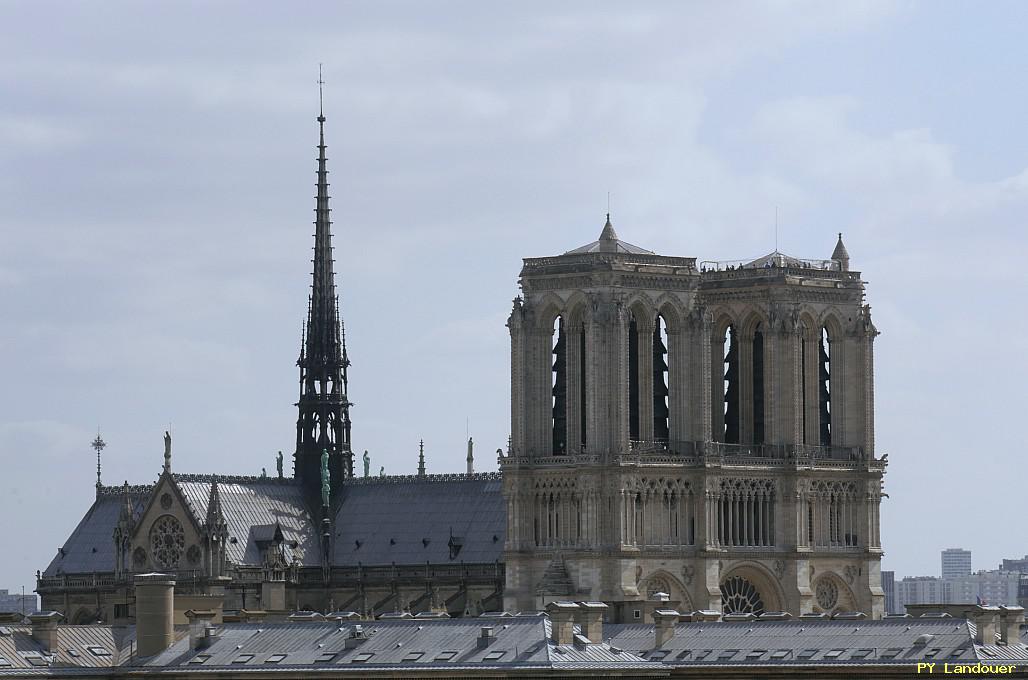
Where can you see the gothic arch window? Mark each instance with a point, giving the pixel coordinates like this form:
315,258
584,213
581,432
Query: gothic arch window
660,380
746,512
633,379
559,388
833,514
739,596
581,383
758,384
804,334
730,391
656,584
824,388
167,542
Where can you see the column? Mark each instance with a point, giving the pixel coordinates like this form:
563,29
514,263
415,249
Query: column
644,338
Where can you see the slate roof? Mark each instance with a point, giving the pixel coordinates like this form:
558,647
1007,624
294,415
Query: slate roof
609,243
409,520
90,548
813,642
251,508
436,645
392,517
94,646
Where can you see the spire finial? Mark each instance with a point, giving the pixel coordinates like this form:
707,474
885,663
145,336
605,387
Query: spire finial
321,97
840,254
421,458
608,235
99,444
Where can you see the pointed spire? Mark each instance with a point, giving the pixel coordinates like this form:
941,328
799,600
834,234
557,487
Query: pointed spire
608,233
608,242
99,444
324,420
126,504
214,512
421,458
841,255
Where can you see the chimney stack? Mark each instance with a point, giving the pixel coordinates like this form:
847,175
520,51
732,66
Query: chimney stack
590,618
985,624
664,621
44,629
1011,618
155,613
562,622
201,628
487,637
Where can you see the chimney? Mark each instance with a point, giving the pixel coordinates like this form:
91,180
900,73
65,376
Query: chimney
201,628
487,637
273,595
562,626
985,624
664,621
155,613
1010,620
44,629
356,637
590,618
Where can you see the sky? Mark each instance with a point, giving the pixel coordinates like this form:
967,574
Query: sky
157,170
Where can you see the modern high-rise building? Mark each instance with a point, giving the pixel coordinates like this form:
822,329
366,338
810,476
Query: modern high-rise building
889,588
956,562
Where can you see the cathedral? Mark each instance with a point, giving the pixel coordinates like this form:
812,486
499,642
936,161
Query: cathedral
699,435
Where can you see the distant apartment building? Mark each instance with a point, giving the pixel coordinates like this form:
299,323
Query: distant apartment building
921,590
993,587
956,562
10,602
889,588
1020,565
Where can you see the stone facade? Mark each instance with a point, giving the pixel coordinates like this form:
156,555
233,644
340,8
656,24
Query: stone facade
704,432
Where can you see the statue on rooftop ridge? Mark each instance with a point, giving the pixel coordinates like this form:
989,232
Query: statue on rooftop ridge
367,464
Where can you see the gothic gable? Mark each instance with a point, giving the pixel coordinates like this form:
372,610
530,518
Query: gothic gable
167,535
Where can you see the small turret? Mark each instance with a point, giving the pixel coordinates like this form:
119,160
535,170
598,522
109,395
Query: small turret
608,238
841,256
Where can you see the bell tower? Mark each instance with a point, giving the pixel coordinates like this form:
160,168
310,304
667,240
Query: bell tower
323,423
704,431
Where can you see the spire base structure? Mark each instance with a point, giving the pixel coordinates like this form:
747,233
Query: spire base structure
323,422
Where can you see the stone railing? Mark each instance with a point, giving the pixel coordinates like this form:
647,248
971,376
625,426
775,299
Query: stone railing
532,263
680,452
762,272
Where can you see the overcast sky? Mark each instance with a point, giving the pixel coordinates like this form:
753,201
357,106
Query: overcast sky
156,193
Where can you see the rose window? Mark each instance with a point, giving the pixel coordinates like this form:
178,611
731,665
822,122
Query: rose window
827,594
167,542
739,596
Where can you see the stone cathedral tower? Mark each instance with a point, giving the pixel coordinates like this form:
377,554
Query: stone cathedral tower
705,432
